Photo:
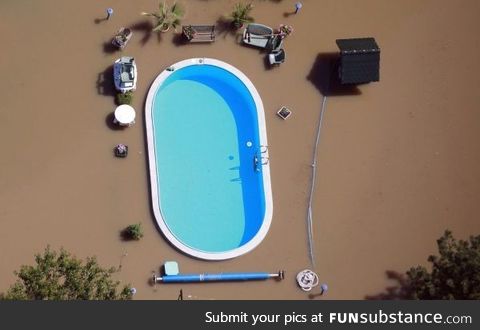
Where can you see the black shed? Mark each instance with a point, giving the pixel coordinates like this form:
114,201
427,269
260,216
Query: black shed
359,60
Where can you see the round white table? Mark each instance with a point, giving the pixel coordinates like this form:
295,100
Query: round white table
124,115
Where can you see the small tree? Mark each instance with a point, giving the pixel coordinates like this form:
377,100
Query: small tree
61,276
455,273
166,16
134,231
241,15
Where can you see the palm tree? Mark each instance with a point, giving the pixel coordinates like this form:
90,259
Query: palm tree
166,16
240,14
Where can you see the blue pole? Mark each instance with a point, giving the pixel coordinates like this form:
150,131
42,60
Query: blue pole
222,277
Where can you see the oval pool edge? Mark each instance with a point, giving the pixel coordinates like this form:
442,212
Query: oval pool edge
155,192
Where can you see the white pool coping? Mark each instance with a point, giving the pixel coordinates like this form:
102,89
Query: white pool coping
262,232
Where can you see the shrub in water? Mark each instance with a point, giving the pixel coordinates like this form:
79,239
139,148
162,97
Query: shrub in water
58,275
134,231
125,98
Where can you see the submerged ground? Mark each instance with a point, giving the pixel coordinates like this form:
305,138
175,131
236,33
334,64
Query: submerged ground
397,163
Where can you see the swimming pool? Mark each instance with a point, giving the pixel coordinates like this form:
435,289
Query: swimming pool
209,172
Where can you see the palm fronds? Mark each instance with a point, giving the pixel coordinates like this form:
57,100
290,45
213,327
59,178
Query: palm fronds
166,17
241,14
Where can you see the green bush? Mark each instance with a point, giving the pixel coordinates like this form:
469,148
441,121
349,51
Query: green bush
61,276
454,273
241,14
134,231
125,98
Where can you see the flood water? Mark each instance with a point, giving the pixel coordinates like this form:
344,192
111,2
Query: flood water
398,160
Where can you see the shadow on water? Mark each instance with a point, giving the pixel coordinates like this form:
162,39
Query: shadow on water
399,291
125,236
145,28
99,20
109,48
315,295
179,40
109,122
151,282
267,65
104,83
324,76
224,28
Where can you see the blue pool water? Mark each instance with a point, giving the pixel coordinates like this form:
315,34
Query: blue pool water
210,195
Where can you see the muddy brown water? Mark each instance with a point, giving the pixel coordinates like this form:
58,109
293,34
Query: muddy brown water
397,164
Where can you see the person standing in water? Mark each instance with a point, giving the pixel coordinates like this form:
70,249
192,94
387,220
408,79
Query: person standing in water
298,6
109,13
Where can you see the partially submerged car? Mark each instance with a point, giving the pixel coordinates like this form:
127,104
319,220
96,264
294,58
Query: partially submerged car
125,74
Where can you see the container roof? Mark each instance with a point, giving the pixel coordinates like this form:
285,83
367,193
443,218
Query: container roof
360,60
357,45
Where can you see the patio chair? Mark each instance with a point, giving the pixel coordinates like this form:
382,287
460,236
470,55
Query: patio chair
277,57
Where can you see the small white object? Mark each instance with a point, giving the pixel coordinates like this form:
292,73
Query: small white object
171,268
307,280
271,58
323,288
124,115
133,291
249,144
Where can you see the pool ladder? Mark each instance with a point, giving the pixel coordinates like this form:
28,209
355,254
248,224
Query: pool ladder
261,158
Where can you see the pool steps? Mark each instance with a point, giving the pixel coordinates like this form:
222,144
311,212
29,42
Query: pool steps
259,159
